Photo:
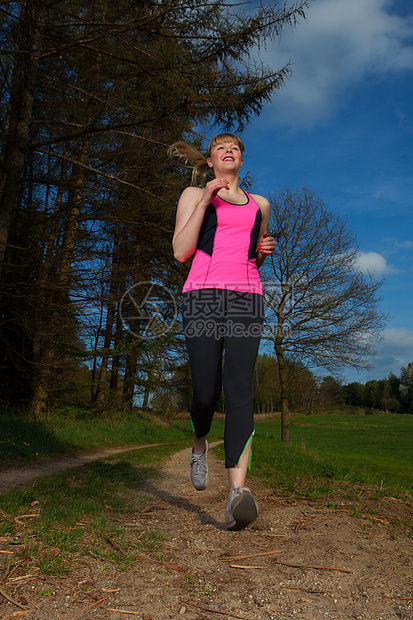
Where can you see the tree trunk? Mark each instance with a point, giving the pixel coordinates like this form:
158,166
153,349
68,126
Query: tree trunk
114,375
114,371
43,292
285,415
40,381
150,380
24,81
94,380
129,379
110,318
56,324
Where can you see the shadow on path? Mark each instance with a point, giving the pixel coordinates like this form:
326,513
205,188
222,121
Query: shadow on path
181,502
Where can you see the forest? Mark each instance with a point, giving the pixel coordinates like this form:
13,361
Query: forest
91,96
307,393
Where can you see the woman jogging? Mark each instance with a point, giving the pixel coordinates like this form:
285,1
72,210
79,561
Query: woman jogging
222,307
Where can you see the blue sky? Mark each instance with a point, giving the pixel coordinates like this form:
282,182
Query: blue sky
343,125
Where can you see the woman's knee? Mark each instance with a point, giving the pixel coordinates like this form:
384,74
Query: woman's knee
204,404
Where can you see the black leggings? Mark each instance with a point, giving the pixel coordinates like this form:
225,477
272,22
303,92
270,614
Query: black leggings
212,318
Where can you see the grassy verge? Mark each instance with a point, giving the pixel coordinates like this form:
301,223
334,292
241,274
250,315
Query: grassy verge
358,449
73,430
370,450
364,463
89,512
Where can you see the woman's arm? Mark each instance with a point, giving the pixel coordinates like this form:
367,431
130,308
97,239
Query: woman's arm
189,217
266,244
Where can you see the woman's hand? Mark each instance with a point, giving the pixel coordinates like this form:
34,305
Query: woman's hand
266,244
212,188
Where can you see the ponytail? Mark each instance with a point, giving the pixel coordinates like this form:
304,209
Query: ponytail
192,158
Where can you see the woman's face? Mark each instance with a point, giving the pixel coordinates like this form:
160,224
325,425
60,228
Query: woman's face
225,156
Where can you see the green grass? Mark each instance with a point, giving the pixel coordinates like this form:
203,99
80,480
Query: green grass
57,521
68,431
374,450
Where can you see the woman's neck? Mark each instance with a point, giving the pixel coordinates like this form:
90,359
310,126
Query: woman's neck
234,188
233,195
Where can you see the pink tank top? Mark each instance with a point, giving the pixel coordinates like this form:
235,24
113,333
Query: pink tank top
226,257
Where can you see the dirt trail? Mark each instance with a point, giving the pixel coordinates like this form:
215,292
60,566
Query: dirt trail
309,563
22,475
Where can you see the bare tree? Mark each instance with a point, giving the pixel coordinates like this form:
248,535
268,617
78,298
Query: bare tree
321,309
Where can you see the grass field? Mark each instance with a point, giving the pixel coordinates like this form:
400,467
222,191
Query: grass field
375,450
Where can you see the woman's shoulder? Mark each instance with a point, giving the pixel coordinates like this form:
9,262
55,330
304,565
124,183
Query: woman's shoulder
191,194
262,202
192,191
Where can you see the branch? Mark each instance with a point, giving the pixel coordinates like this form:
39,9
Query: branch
103,174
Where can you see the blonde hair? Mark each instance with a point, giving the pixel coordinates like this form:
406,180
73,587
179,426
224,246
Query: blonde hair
192,158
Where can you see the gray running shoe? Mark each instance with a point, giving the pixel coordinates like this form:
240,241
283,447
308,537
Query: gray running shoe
199,470
242,509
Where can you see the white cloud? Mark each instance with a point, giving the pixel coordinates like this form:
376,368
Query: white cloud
374,264
393,351
395,244
406,245
341,43
397,342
